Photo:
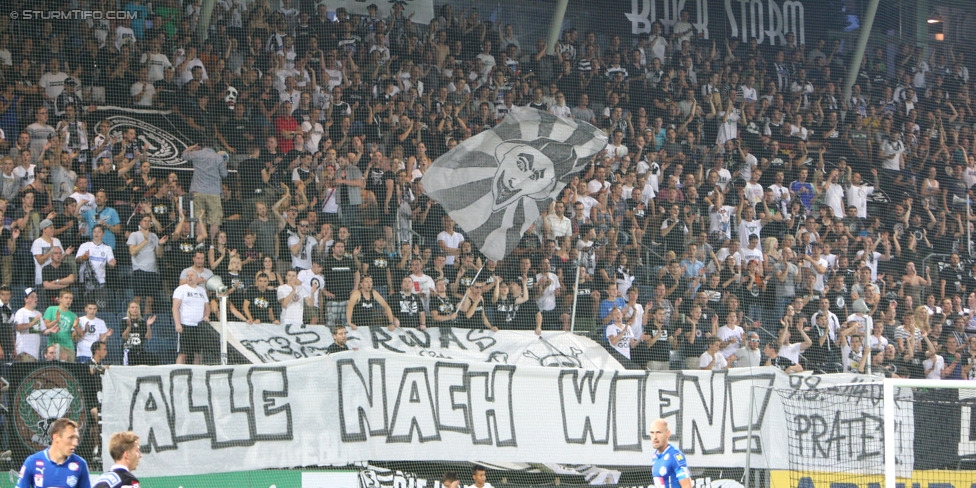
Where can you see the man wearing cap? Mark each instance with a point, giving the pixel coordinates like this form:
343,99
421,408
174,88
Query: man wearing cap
30,327
861,317
43,247
749,354
209,169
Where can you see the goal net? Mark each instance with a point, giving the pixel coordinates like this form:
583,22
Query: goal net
856,435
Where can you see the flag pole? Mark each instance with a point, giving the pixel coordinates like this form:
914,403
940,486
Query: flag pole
473,281
572,315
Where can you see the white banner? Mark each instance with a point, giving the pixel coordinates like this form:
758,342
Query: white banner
266,343
351,407
419,11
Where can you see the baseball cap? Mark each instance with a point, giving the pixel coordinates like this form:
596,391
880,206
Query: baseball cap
46,223
28,291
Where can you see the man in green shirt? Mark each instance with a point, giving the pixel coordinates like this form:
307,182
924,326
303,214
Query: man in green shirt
65,320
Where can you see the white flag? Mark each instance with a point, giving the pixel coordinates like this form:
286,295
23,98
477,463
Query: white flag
496,184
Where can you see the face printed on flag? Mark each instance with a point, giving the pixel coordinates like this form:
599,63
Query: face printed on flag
496,184
523,171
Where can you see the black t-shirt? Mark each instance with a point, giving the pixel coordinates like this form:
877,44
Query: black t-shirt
117,478
376,182
339,275
695,350
525,315
817,354
262,304
235,282
7,328
250,171
163,208
137,335
379,264
782,362
50,273
954,278
477,319
661,350
503,313
406,308
233,131
166,93
182,252
68,238
444,306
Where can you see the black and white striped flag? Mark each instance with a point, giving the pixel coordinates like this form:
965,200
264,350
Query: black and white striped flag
496,184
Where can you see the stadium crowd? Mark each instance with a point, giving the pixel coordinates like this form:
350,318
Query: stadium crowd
743,214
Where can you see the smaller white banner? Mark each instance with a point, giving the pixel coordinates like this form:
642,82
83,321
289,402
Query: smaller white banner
267,343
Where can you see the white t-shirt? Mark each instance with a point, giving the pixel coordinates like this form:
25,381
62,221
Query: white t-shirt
293,311
748,228
588,203
720,219
98,259
834,198
451,241
850,358
29,341
725,333
623,345
157,64
422,284
147,97
315,133
791,352
94,329
86,201
752,255
866,321
306,276
939,364
818,283
721,362
754,193
193,304
52,83
728,129
304,258
547,300
858,197
637,327
877,344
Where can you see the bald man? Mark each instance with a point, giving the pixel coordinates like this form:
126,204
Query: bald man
670,469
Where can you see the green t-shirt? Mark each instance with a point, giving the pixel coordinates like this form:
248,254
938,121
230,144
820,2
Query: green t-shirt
63,336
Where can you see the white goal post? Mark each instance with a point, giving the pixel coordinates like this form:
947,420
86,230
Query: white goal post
889,385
